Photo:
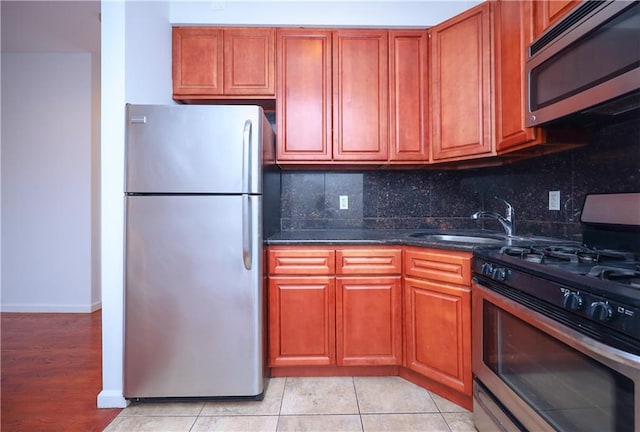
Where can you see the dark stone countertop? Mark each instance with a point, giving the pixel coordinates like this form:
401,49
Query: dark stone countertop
395,237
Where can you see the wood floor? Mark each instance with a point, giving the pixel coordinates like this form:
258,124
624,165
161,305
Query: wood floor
51,373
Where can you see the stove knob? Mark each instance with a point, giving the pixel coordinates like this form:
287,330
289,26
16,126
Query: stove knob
499,274
486,269
572,301
601,311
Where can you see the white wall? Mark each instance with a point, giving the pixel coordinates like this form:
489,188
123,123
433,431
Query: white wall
95,179
112,116
46,182
323,13
148,52
136,68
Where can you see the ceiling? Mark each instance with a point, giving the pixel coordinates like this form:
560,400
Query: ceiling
50,26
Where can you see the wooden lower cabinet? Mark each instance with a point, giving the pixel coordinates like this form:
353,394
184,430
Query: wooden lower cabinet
301,321
382,310
369,320
335,306
438,323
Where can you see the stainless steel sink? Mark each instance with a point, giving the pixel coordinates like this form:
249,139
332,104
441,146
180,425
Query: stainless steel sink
459,238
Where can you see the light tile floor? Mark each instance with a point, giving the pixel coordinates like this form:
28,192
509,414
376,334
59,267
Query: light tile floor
348,404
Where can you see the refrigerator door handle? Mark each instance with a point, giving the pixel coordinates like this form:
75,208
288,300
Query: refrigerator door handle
246,157
246,231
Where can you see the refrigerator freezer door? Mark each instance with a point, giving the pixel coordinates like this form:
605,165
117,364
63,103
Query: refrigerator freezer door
194,149
193,312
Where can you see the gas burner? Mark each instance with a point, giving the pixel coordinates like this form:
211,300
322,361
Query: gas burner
605,272
572,254
523,253
617,255
620,275
576,254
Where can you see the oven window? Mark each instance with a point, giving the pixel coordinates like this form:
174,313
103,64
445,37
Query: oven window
570,390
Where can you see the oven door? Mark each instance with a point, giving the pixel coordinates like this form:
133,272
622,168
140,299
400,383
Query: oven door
546,375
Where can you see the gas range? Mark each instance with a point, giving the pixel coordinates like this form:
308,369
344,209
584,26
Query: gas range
556,340
611,273
600,297
595,286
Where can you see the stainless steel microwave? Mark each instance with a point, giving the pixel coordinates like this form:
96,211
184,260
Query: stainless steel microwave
585,69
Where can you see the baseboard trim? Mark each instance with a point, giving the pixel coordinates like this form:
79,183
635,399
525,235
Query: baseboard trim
51,308
111,399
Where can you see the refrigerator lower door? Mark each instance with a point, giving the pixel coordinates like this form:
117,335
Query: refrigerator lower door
193,311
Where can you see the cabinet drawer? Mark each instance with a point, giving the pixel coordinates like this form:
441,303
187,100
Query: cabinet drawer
368,261
301,261
445,266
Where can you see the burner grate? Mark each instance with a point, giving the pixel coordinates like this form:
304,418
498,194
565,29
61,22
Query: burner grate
626,276
567,253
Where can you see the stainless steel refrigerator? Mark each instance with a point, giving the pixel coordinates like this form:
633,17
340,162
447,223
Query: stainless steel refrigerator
201,192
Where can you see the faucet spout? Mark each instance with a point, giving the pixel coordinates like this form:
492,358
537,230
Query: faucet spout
508,221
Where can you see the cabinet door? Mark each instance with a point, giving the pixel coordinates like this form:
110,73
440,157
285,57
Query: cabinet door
513,34
547,12
360,95
301,321
408,95
249,61
303,102
438,329
369,320
461,111
197,61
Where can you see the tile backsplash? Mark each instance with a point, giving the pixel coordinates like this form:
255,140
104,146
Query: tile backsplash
445,199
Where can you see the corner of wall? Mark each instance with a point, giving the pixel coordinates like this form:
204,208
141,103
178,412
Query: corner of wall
111,399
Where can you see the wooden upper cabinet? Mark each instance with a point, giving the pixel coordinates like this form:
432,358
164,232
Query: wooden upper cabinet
351,96
408,93
197,61
249,61
360,95
303,102
548,12
514,31
462,100
215,63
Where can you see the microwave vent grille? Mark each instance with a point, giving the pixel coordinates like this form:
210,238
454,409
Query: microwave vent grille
566,23
621,105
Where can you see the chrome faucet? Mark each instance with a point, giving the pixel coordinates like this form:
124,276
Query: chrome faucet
508,221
